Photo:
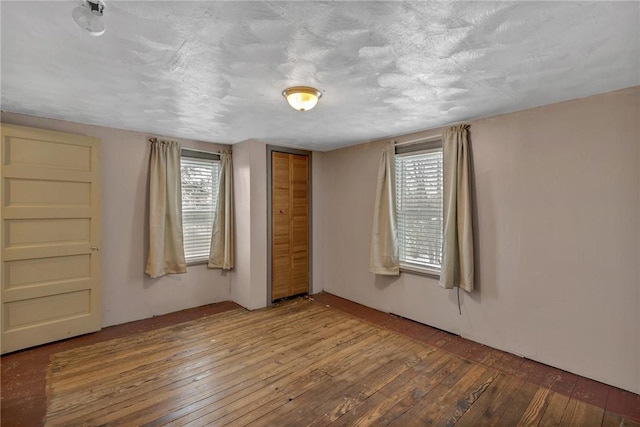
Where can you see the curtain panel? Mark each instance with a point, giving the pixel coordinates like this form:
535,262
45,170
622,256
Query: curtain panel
384,258
457,257
166,250
221,251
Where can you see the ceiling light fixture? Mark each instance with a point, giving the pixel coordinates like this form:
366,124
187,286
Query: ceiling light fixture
89,15
302,98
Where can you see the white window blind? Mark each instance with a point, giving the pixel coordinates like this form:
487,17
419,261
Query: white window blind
419,192
199,198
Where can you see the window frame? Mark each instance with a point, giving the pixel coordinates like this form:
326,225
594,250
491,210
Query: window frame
196,154
421,147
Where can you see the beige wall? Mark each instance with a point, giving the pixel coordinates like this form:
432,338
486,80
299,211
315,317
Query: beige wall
317,222
249,278
558,237
127,294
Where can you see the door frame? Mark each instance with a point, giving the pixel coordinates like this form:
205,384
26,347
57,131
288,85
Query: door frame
287,150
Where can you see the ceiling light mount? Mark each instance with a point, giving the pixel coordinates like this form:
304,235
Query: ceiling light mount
89,15
302,98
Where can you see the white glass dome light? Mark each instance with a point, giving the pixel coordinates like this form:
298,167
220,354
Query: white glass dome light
302,98
89,15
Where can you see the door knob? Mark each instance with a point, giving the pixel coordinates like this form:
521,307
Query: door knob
95,248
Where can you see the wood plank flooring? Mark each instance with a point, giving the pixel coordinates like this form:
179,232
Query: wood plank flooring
299,363
319,361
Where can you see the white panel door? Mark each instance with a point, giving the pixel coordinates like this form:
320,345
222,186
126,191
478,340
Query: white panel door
50,236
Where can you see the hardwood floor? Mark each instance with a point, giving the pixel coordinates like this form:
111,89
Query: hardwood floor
318,361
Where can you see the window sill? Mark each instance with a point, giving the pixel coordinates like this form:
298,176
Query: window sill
421,271
197,262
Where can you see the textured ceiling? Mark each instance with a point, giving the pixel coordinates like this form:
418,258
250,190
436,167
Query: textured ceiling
214,71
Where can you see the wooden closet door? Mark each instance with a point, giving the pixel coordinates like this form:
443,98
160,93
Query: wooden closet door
290,225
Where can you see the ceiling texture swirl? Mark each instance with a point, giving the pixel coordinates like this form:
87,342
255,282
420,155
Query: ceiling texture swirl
215,71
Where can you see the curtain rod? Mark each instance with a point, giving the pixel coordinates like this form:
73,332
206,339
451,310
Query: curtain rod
202,151
418,140
191,149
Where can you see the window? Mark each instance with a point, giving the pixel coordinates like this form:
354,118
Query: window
419,193
199,173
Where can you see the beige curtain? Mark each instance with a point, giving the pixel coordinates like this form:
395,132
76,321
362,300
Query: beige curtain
221,252
457,256
383,258
166,250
